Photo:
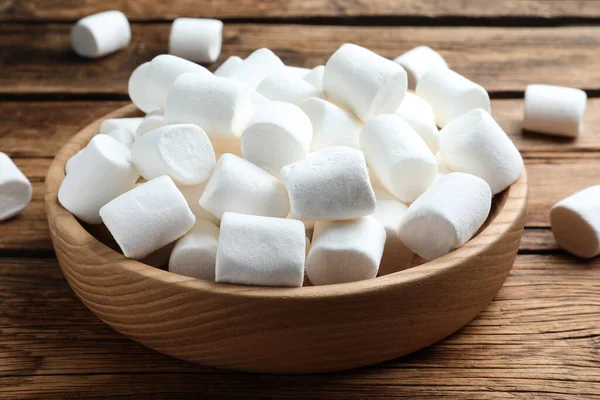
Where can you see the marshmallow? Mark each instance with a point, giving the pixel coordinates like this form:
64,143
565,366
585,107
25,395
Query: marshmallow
419,115
298,72
332,184
192,195
283,86
554,110
100,34
137,88
196,39
195,254
418,61
315,77
278,134
364,82
102,172
221,106
130,124
147,218
446,216
451,94
15,188
256,67
255,250
258,100
229,66
345,251
474,143
183,152
332,126
72,161
398,156
239,186
125,136
152,120
575,222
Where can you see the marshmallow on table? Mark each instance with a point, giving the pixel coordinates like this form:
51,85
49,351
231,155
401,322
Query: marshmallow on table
256,67
278,134
418,61
195,253
221,106
398,156
15,188
152,120
266,251
298,72
100,34
284,86
332,184
554,110
183,152
102,172
229,66
451,94
315,77
419,114
474,143
345,251
446,216
239,186
364,82
123,135
192,195
148,217
130,124
137,89
196,39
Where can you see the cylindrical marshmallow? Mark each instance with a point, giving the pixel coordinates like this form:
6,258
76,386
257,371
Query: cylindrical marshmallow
152,120
298,72
239,186
474,143
398,156
125,136
278,134
221,106
137,89
15,188
332,184
192,195
264,251
418,61
256,67
148,217
131,124
102,172
229,66
100,34
554,110
345,251
315,77
446,216
72,161
451,94
196,39
364,82
284,86
195,253
183,152
419,115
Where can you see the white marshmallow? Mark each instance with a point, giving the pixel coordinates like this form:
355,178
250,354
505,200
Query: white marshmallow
15,188
315,77
258,100
345,251
364,82
332,184
575,222
554,110
298,72
195,254
72,161
100,34
278,134
221,106
419,115
102,172
152,120
229,66
137,89
418,61
398,156
451,94
256,67
264,251
192,195
130,124
147,218
474,143
196,39
446,216
183,152
125,136
283,86
239,186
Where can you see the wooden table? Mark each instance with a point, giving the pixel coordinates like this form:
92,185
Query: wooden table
540,337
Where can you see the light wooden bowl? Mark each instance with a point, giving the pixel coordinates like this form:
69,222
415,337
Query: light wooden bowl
284,330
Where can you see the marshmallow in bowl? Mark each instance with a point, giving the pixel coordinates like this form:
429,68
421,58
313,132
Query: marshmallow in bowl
287,87
111,124
256,67
152,120
195,253
229,66
419,115
418,61
136,88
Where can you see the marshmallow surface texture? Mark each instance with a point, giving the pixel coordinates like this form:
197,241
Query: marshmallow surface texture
315,77
152,120
239,186
554,110
102,172
137,89
195,253
263,251
332,184
278,134
398,156
148,217
196,39
446,216
418,61
575,222
288,87
451,94
364,82
474,143
229,66
15,188
111,124
419,115
125,136
192,195
100,34
345,251
256,67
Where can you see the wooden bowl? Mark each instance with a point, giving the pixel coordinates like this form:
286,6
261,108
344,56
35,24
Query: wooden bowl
284,330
